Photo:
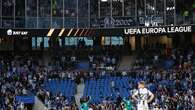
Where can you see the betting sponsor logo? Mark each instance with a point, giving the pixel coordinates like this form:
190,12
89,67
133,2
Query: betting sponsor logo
9,32
15,32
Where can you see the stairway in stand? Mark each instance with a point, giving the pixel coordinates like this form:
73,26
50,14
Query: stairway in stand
80,91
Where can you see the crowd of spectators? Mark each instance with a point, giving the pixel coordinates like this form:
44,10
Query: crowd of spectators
174,87
98,58
16,73
25,76
58,101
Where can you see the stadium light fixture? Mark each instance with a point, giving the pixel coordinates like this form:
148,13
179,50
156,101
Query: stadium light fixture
170,8
104,0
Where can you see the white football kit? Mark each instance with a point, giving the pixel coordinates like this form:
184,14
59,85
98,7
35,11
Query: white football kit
142,95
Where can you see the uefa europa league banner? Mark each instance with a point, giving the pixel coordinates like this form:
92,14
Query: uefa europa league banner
95,32
158,30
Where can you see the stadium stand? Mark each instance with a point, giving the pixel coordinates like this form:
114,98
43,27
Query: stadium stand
99,89
63,90
50,68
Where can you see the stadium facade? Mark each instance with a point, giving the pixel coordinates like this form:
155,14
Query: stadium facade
97,54
97,14
94,13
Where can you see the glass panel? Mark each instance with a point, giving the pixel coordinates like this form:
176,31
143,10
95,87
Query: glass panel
70,8
70,22
8,22
193,18
20,8
83,13
70,13
57,22
57,8
83,22
20,22
39,40
46,42
94,8
105,9
107,40
0,13
129,7
170,12
83,8
117,8
150,7
170,7
88,41
160,11
184,5
94,13
44,22
44,14
185,11
33,42
179,6
31,8
20,13
8,8
70,41
141,7
169,20
60,42
44,8
117,40
8,13
57,13
94,22
180,19
31,22
160,7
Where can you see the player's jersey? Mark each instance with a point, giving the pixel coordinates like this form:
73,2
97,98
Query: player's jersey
127,104
142,95
84,106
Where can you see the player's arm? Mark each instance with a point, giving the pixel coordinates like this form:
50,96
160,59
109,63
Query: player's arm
151,97
134,96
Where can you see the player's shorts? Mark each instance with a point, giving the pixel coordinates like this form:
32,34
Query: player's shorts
142,107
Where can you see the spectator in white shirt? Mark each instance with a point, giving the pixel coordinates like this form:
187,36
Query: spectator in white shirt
113,61
91,59
73,58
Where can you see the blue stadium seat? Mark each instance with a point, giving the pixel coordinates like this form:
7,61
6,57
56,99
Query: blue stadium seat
99,89
66,87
